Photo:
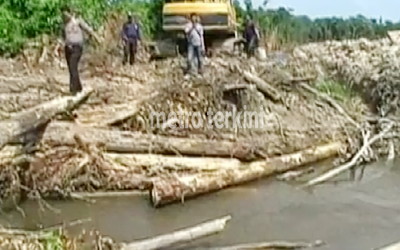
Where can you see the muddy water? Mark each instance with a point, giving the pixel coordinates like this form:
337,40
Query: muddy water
350,215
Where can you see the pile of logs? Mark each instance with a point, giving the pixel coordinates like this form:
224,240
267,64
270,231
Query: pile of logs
189,166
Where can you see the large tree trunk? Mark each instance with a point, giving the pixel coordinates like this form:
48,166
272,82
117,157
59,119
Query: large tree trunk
181,236
112,114
63,133
176,163
263,86
394,246
175,188
30,119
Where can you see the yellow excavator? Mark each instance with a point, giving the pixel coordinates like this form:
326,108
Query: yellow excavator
218,18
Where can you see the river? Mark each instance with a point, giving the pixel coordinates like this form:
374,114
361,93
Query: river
347,215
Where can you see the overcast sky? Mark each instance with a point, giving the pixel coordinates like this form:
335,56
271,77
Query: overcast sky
387,9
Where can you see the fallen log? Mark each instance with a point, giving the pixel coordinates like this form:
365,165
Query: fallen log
63,133
171,189
272,245
336,171
263,86
181,236
394,246
111,114
25,121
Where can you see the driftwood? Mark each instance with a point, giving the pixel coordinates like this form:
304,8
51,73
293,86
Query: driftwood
175,188
394,246
25,121
262,86
272,245
334,172
132,110
181,236
63,133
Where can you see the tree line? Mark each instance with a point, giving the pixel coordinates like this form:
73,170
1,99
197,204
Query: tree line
22,20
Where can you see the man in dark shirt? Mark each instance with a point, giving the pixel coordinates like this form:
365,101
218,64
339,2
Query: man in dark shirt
131,37
251,36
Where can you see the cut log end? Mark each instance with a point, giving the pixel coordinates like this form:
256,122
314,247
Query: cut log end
165,191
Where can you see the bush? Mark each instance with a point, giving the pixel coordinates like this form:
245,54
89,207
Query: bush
21,20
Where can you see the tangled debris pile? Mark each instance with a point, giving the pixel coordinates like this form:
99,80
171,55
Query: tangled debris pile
73,157
367,65
110,142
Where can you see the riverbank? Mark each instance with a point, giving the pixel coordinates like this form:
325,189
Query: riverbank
313,111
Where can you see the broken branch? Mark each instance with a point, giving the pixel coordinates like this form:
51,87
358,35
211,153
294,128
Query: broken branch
350,164
263,86
28,120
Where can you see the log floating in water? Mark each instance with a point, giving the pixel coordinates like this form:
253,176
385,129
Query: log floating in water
181,236
394,246
62,133
176,188
25,121
336,171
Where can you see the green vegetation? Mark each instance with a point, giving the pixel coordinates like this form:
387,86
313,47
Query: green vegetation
53,241
340,91
283,27
21,20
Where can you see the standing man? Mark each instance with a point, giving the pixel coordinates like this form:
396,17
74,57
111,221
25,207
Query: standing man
195,40
74,28
251,36
131,37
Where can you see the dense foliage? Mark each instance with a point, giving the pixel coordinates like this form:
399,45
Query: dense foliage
284,27
21,20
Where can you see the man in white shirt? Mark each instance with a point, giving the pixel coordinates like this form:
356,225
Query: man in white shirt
73,33
195,39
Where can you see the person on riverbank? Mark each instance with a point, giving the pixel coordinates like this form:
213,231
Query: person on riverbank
195,41
251,36
73,34
131,37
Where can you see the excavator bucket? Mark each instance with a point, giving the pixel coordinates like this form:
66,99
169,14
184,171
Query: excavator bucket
163,48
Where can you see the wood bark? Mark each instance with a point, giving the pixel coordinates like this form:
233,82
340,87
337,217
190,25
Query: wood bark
176,188
178,163
112,114
394,246
272,245
263,86
181,236
63,133
30,119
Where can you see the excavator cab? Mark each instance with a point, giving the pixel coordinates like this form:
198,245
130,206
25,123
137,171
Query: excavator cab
218,18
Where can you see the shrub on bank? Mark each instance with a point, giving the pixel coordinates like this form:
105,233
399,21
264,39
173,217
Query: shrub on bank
22,20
